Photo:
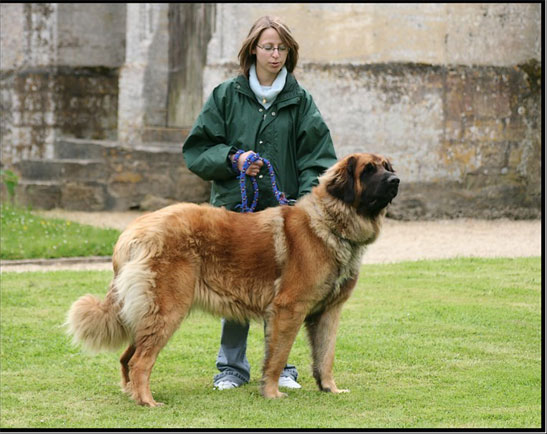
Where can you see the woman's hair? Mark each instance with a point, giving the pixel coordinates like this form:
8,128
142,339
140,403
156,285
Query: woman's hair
247,58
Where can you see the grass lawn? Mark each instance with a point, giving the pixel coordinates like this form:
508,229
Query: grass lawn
26,235
428,344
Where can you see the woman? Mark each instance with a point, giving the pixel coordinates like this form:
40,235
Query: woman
263,110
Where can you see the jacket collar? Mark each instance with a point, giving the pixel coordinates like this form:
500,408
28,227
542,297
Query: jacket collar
290,91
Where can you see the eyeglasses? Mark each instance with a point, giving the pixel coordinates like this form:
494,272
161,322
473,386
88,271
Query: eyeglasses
271,48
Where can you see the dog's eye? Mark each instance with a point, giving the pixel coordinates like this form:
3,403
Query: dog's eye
369,168
388,166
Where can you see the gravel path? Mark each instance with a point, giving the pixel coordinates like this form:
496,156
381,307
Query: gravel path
399,241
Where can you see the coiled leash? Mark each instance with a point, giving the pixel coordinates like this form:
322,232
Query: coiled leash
279,195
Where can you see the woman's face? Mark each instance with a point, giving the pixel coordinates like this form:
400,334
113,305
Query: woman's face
268,64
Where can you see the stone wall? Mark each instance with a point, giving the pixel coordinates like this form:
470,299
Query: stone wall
58,75
144,74
190,29
450,92
464,139
95,175
41,103
161,78
500,34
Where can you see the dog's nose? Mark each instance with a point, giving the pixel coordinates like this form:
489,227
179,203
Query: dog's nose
393,180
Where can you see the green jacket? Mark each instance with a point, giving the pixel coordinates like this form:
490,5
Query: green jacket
291,134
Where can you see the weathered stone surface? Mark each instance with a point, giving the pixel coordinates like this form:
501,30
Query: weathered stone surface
428,201
91,34
39,194
152,203
68,170
432,33
89,196
118,178
72,150
189,187
58,74
451,92
144,74
41,103
153,135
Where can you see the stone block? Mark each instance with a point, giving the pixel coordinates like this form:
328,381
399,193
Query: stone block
37,170
158,184
124,189
493,155
78,149
89,196
486,197
152,203
458,96
153,135
190,187
85,170
38,194
126,177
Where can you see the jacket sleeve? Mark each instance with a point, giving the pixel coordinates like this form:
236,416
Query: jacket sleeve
205,150
314,148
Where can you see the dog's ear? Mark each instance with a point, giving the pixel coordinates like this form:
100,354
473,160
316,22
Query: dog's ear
342,184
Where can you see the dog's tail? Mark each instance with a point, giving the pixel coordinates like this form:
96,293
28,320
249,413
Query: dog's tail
95,324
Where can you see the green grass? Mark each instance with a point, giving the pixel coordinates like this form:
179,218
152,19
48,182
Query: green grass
428,344
25,235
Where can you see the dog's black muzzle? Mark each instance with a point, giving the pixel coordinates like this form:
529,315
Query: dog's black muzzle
392,183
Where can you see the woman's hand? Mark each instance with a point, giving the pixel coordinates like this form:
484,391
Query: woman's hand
253,168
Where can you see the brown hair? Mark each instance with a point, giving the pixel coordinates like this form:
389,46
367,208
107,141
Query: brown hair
246,56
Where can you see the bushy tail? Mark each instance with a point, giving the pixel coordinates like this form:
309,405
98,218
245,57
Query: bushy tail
95,324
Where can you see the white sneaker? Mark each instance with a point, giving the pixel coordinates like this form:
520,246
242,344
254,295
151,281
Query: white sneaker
226,384
288,382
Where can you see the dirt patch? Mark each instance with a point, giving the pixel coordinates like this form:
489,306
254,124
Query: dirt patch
408,241
398,241
103,219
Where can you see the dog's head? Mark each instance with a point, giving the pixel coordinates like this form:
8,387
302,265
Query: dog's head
365,181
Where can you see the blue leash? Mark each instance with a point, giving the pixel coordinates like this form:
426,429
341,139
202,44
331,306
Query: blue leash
280,196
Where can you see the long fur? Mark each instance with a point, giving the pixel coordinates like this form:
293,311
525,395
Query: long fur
95,324
134,285
286,265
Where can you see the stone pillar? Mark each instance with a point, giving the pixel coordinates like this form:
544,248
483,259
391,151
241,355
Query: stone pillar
29,57
190,29
144,76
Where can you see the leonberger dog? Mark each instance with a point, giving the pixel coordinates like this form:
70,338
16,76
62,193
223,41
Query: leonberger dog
287,265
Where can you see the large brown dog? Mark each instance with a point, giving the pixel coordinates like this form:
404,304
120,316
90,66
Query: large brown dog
289,265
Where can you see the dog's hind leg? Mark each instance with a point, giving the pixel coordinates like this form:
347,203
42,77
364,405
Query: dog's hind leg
124,361
148,344
141,365
168,304
153,333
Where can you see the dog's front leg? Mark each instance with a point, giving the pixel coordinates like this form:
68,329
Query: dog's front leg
281,329
322,329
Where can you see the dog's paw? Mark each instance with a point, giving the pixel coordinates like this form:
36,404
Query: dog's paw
277,395
334,390
127,388
152,404
274,394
